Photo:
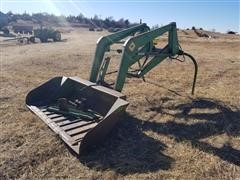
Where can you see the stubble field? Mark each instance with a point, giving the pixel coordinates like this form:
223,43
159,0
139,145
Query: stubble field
166,133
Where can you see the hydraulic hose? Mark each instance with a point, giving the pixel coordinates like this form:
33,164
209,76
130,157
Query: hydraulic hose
195,68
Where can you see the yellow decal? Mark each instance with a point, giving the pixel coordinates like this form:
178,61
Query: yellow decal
132,46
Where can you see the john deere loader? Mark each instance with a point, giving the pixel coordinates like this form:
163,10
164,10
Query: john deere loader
83,112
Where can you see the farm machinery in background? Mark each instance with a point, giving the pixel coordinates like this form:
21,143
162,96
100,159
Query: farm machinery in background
26,34
25,31
47,33
83,112
22,29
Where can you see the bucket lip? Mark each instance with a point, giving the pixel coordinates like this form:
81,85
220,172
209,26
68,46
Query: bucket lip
99,87
85,82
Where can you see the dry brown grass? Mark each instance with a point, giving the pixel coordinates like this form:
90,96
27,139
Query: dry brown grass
166,134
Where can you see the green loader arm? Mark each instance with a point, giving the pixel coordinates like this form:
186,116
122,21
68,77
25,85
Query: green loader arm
133,53
104,43
136,48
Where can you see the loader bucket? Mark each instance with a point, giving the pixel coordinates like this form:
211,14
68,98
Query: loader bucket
91,115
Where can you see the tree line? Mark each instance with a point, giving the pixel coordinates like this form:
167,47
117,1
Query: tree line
95,21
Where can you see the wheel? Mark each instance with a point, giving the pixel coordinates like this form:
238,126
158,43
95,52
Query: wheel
32,39
57,37
5,31
43,39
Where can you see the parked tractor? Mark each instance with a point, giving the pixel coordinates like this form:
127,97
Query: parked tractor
83,112
42,33
45,33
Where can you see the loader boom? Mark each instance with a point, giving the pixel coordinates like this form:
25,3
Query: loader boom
104,43
132,54
136,48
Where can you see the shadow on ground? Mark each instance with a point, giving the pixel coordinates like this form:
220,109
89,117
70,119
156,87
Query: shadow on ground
128,150
214,118
52,41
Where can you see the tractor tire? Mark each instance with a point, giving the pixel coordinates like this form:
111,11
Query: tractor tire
32,39
43,40
57,37
6,31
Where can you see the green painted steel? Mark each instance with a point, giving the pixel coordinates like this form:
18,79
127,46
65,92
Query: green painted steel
47,33
103,69
104,43
135,48
131,48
